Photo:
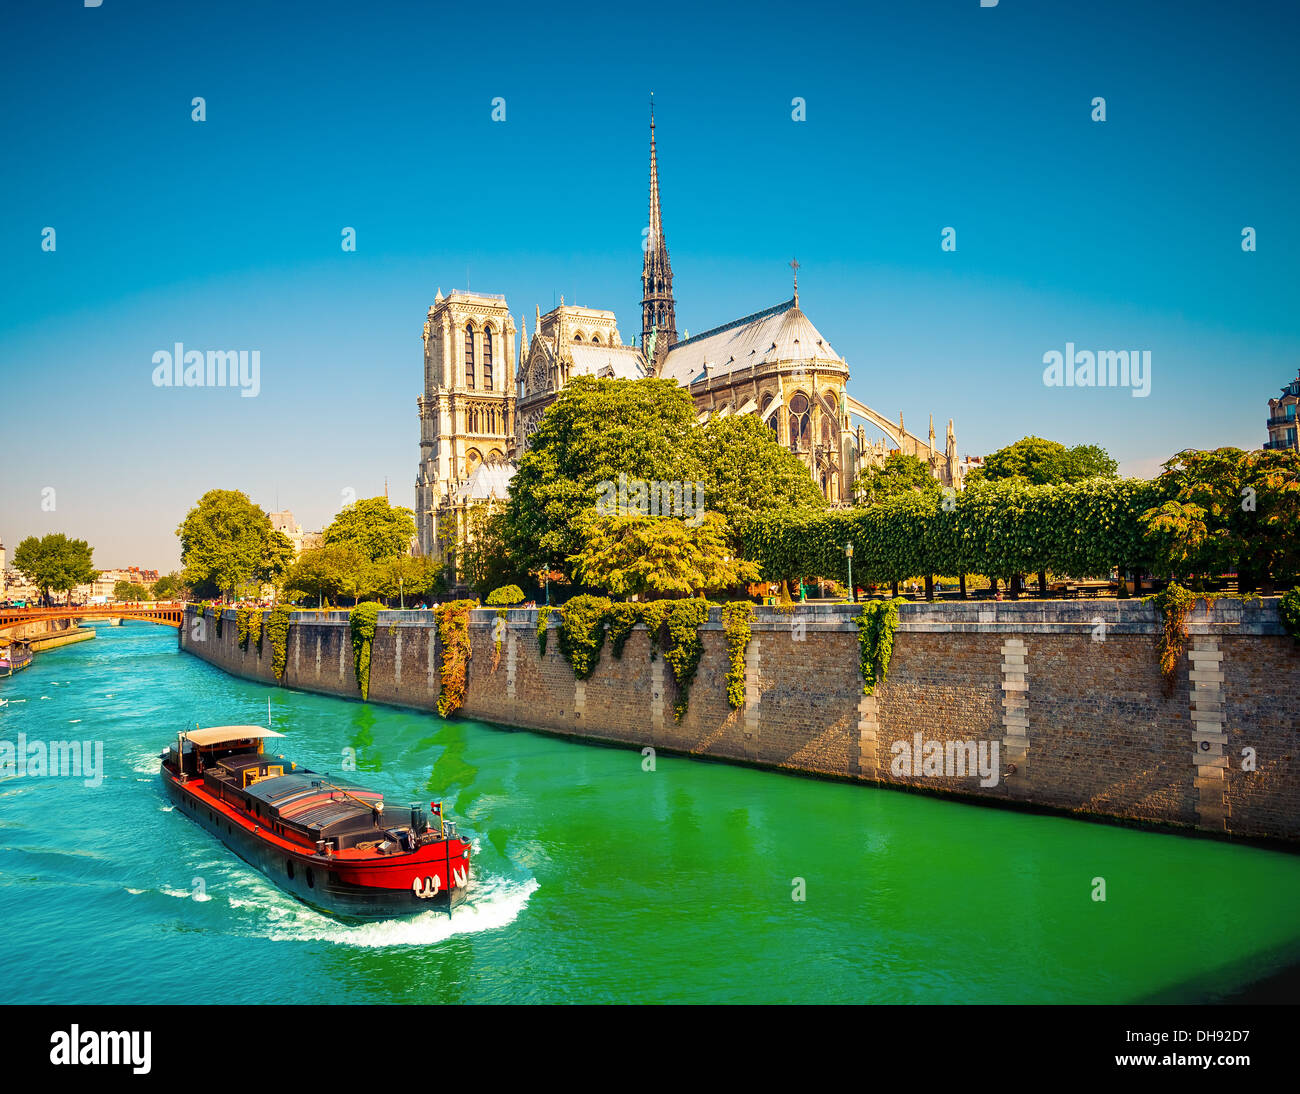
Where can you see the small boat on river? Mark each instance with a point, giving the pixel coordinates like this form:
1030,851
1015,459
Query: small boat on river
332,844
15,655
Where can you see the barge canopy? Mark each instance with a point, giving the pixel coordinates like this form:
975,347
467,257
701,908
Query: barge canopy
220,735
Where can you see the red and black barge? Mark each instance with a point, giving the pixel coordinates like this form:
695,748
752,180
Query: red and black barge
330,843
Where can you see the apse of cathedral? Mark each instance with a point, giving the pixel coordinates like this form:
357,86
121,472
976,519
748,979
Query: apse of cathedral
478,412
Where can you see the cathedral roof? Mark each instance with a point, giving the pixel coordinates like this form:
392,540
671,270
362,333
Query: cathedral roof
620,362
780,333
488,481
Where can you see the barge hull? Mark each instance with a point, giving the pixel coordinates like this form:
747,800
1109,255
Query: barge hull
310,878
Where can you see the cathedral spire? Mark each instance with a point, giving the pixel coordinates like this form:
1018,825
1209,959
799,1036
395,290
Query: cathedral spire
658,311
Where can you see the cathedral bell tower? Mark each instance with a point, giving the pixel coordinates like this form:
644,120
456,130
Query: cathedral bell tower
658,314
467,411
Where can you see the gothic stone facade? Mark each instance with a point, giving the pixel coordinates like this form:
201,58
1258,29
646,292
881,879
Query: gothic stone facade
774,363
467,411
568,341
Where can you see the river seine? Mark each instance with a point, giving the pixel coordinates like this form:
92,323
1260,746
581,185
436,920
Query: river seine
595,880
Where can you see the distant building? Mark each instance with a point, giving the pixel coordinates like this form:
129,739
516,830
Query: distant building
302,541
107,580
2,569
1282,414
17,587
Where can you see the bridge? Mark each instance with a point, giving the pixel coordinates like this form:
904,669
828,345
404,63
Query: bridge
169,614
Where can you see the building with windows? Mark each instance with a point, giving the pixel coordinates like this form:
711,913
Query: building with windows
568,341
467,411
284,523
1282,415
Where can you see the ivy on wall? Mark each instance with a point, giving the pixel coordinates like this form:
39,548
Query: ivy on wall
361,623
1289,609
582,633
1173,603
453,634
543,620
654,615
685,618
620,621
277,628
672,626
736,629
876,626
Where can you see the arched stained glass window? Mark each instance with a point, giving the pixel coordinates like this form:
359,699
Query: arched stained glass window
800,422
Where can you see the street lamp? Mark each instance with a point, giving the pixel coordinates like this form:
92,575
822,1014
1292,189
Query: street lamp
401,594
848,553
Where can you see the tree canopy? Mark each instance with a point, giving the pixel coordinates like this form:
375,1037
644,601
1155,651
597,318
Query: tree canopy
746,471
659,557
483,560
227,542
169,587
899,474
1226,509
593,432
340,571
55,563
1040,462
129,590
374,527
647,432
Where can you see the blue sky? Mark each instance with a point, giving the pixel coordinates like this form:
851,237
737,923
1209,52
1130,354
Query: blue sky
226,234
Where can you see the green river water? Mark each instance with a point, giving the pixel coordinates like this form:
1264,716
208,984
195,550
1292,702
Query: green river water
595,881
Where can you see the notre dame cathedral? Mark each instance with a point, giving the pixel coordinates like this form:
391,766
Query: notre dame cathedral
478,409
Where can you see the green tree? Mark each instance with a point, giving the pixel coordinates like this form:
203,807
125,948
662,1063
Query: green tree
337,571
407,579
482,557
1092,462
505,596
169,587
1040,462
659,557
227,542
899,474
593,432
747,473
374,527
646,431
129,590
55,563
1226,509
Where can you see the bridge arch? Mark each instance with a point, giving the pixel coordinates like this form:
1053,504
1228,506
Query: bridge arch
166,615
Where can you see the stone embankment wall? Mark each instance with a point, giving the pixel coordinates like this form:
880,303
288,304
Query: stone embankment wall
1070,692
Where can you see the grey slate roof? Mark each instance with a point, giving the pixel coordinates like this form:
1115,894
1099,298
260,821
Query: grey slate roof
780,333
